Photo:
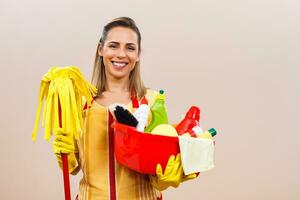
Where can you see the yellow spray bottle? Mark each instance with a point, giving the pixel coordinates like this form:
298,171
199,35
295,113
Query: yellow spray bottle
159,113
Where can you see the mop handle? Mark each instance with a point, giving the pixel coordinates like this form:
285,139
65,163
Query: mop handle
65,166
66,176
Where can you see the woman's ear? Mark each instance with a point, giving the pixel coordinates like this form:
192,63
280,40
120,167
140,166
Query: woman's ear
138,58
100,50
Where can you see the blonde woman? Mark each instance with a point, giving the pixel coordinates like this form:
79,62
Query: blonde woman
116,75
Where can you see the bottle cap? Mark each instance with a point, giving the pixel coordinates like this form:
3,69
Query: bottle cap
212,131
161,95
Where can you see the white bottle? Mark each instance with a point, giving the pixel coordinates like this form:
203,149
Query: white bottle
197,129
141,114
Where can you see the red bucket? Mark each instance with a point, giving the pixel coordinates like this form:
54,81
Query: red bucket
140,151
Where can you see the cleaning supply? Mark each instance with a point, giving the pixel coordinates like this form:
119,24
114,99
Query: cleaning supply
190,121
141,114
197,154
195,130
159,113
125,117
112,107
62,88
165,129
208,134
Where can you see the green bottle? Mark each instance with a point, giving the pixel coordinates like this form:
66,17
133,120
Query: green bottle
159,113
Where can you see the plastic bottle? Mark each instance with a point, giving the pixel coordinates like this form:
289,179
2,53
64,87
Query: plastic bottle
196,130
159,113
190,121
141,114
208,134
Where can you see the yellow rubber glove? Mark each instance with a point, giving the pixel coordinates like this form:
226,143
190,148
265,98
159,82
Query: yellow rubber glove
172,176
189,177
64,143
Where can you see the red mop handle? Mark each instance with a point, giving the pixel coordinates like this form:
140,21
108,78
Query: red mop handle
65,166
64,158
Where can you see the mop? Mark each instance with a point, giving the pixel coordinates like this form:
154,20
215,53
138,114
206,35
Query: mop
63,90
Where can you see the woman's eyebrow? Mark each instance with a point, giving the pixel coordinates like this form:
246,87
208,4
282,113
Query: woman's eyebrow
131,44
114,42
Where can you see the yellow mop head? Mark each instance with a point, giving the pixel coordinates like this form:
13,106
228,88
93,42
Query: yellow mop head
68,86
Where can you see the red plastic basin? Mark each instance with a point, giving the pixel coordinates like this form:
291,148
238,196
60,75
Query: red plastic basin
140,151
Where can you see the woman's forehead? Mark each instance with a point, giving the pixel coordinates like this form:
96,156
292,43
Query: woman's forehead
122,35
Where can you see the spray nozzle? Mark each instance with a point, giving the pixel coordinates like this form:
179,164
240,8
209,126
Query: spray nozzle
194,113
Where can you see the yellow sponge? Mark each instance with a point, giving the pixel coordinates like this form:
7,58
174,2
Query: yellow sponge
165,129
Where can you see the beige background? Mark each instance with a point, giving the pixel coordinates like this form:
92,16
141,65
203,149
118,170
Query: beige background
237,60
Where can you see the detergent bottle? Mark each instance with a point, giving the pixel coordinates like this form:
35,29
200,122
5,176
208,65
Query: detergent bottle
190,121
141,114
159,113
208,134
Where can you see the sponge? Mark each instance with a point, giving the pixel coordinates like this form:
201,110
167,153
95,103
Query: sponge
165,129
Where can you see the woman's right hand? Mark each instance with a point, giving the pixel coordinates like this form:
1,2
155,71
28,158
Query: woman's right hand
63,143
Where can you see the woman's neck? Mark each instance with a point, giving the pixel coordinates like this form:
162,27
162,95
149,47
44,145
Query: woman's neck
117,85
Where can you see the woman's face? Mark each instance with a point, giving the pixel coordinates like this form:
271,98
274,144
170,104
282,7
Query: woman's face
120,52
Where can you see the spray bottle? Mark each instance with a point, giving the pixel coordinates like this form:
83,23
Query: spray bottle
196,130
190,121
159,113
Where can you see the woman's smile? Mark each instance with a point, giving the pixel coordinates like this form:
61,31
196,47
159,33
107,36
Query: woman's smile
119,65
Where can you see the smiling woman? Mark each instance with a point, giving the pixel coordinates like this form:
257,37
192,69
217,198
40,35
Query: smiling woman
120,52
119,44
116,76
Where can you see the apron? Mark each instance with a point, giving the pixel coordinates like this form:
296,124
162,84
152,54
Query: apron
96,147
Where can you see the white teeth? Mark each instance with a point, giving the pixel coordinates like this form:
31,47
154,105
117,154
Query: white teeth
119,64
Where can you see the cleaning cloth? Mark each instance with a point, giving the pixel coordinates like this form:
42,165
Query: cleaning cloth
197,154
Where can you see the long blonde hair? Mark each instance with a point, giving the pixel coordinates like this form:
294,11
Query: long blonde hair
99,80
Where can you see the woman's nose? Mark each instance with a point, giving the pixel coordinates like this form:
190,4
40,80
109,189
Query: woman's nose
121,53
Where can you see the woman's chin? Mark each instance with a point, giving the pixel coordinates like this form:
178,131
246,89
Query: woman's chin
119,74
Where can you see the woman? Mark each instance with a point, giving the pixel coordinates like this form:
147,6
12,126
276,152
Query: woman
116,75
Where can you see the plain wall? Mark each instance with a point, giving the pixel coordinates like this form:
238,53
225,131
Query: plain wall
237,60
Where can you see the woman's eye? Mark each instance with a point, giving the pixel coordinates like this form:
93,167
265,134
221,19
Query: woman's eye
112,46
131,48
